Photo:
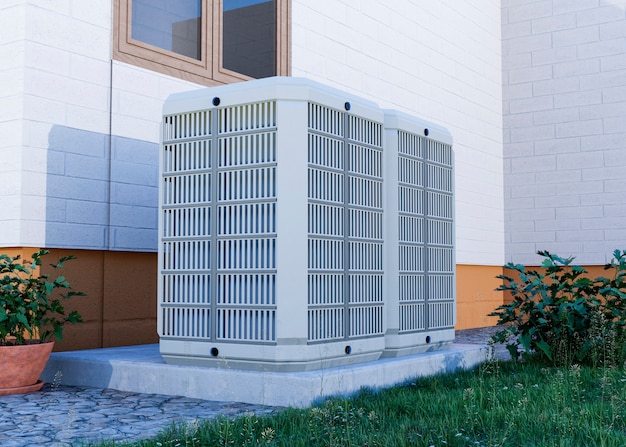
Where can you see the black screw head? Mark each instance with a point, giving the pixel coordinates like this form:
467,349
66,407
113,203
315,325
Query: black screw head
348,349
216,101
215,352
347,105
428,339
426,132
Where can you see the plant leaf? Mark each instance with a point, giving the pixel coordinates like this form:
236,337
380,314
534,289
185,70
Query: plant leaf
545,348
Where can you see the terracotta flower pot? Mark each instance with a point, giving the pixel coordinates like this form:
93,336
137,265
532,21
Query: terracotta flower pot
21,367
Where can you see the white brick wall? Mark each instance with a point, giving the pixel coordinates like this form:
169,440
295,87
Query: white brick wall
566,104
60,95
12,20
440,61
55,190
137,101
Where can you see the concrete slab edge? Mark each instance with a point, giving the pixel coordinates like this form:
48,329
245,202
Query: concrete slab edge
141,369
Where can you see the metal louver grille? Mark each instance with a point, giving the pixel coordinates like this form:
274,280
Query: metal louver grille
426,238
440,235
344,225
411,232
218,230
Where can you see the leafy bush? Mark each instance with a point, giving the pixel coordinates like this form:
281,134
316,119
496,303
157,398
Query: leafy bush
561,315
30,311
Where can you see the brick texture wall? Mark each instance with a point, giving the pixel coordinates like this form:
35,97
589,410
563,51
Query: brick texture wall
564,76
69,183
12,19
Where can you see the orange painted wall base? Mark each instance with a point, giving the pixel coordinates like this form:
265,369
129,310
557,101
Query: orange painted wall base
121,303
476,295
120,306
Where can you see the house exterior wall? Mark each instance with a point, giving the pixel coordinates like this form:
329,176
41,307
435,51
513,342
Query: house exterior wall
98,192
564,88
79,158
12,19
440,62
81,131
89,130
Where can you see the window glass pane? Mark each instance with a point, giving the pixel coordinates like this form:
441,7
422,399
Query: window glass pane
167,24
249,37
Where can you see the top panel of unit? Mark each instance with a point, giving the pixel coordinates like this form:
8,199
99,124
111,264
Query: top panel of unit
277,88
401,121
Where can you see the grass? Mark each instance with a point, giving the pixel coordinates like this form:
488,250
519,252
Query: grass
497,404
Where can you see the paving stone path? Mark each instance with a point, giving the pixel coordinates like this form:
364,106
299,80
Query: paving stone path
67,416
482,336
63,416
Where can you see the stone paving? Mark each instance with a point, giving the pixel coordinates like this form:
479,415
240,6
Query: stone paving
70,416
64,416
482,336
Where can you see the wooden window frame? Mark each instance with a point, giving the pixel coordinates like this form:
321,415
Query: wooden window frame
209,70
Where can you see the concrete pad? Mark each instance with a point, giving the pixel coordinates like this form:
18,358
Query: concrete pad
141,369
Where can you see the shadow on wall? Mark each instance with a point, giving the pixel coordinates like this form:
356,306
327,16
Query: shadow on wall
102,207
102,192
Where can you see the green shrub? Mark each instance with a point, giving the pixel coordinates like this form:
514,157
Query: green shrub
559,314
30,311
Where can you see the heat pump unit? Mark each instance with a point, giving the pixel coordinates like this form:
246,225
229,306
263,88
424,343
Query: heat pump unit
274,229
419,242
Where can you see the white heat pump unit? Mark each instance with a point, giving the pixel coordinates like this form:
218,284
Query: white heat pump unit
419,243
273,231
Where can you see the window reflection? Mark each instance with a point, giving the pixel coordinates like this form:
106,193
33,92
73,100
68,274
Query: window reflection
249,37
172,25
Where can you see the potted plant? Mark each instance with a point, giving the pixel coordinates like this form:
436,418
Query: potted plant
32,316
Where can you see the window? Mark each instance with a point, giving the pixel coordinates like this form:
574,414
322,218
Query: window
204,41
